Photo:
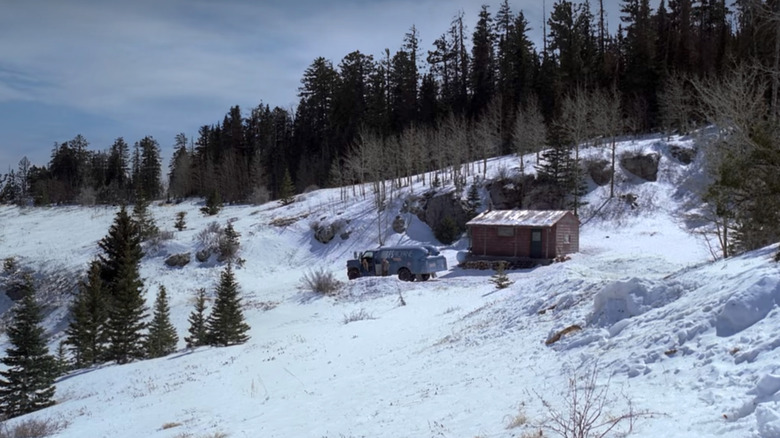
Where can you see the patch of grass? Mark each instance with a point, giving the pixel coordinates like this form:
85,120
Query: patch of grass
517,420
358,315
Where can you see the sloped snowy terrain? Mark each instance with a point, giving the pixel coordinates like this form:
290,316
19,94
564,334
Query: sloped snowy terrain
690,341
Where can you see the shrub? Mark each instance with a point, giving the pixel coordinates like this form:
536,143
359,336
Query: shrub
260,195
447,231
32,428
209,236
584,412
321,282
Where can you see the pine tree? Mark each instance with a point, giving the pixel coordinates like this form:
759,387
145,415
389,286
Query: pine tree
197,319
143,217
180,223
162,337
86,332
126,307
228,243
121,245
225,324
500,279
473,201
27,384
213,204
287,190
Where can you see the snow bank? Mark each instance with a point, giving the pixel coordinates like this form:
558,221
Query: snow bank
620,300
747,307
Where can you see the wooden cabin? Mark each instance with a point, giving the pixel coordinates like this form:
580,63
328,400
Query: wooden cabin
532,234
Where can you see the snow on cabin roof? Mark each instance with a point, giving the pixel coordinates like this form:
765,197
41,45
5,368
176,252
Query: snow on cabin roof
519,218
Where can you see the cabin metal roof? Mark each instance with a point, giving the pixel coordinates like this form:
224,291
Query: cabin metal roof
519,218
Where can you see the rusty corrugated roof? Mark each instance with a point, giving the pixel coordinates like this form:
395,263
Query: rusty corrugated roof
519,218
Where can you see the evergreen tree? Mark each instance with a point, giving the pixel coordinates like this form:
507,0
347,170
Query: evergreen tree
500,279
473,201
126,307
180,223
162,337
483,66
126,316
287,190
122,245
225,324
229,243
197,319
180,169
149,185
27,384
213,204
143,217
86,332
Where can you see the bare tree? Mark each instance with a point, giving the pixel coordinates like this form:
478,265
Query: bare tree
577,121
488,132
585,412
676,102
530,132
608,120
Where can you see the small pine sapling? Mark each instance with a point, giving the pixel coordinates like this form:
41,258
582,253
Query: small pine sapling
500,278
180,224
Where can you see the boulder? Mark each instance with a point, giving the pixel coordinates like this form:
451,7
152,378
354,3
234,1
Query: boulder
437,207
683,155
203,255
178,260
599,170
324,233
643,166
506,194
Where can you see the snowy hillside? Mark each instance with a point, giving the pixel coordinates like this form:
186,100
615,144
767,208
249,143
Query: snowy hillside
689,344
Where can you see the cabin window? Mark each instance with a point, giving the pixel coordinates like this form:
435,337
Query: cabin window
567,238
505,231
536,236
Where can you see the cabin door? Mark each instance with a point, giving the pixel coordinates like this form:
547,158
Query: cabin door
536,243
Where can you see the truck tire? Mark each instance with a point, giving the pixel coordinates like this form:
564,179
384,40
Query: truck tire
405,275
425,277
353,273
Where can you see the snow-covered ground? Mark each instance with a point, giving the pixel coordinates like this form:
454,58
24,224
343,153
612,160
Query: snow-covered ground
687,343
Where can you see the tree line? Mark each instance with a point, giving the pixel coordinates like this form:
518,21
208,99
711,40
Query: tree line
469,95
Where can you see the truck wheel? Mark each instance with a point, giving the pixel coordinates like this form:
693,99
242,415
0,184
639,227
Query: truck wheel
425,277
353,273
405,275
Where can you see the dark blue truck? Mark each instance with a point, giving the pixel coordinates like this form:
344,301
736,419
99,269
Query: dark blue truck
408,262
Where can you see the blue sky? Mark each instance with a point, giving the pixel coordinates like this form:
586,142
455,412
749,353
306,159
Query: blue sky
108,69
